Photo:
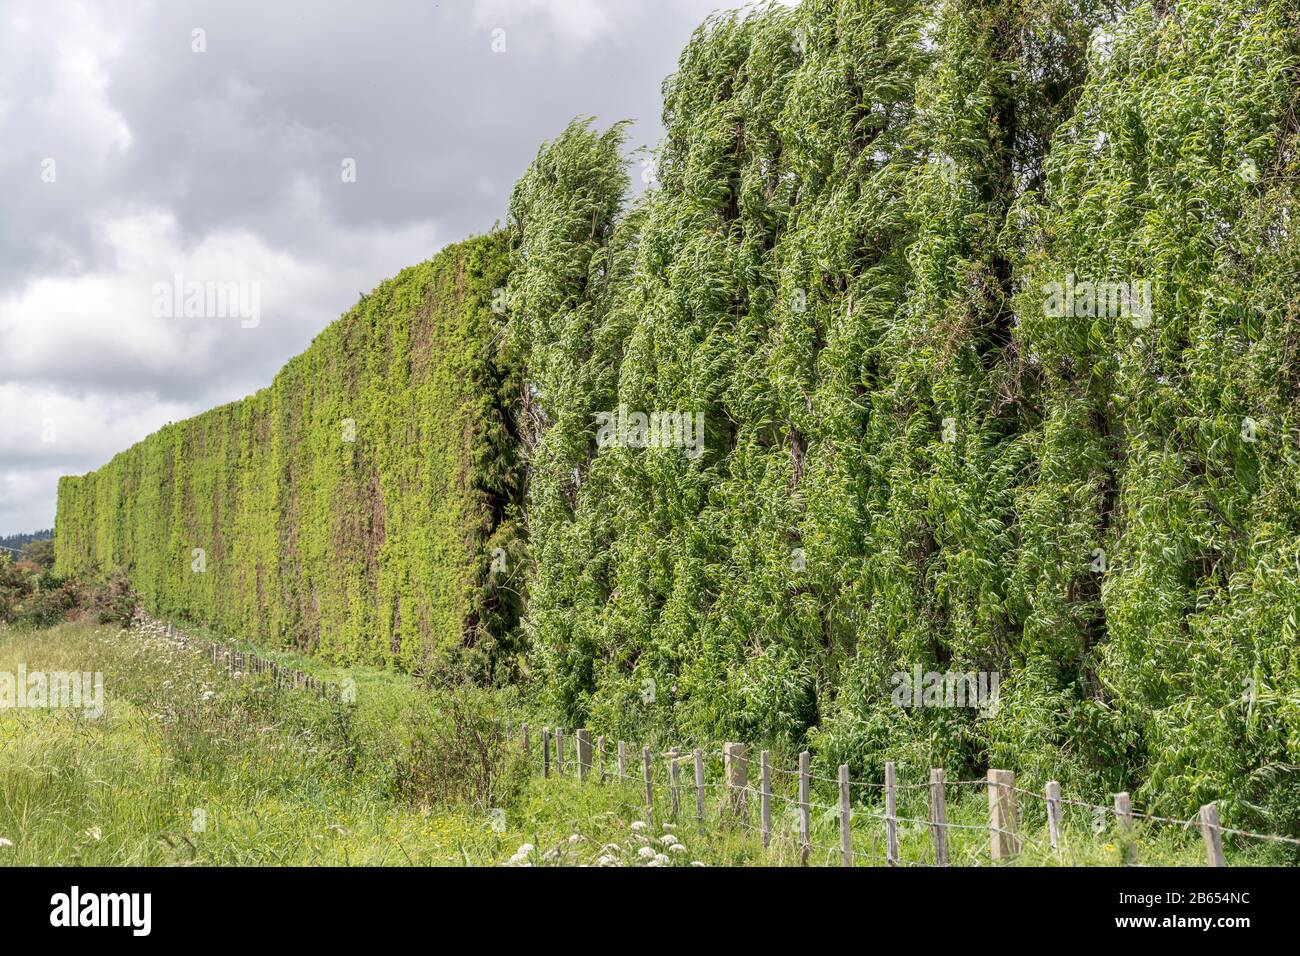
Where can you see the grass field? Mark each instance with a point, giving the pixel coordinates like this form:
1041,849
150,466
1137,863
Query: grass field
189,767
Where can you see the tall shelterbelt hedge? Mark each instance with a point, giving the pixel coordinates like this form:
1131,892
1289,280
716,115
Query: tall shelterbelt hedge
913,457
354,507
987,309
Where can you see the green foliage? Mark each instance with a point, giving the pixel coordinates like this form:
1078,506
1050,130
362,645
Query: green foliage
39,553
909,459
13,543
350,508
15,584
458,753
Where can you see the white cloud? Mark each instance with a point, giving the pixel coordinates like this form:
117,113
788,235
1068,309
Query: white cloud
51,432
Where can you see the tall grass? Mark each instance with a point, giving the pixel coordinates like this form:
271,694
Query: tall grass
190,767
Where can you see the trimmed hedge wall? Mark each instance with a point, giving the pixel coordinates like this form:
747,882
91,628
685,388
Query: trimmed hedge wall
352,508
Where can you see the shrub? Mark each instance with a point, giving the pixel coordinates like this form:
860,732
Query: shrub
458,753
113,600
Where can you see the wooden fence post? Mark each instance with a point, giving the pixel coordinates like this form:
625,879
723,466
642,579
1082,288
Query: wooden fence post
584,753
1053,793
891,814
559,752
622,760
805,814
672,782
649,788
1004,842
1212,835
1124,816
765,796
938,818
846,818
736,768
600,757
546,751
699,784
523,729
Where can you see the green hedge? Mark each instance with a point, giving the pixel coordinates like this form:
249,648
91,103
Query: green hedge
375,549
909,461
909,457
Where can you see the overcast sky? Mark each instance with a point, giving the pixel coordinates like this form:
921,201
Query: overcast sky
134,149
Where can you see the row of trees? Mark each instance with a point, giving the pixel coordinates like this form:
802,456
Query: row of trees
872,260
853,265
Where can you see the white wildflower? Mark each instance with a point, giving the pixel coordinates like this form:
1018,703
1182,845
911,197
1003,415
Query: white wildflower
646,853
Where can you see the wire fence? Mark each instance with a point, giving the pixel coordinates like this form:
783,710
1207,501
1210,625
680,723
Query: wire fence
237,663
674,784
667,790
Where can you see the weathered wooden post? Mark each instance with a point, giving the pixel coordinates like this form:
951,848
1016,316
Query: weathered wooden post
938,818
1212,835
1053,794
891,814
1004,841
765,796
846,819
584,753
546,751
805,812
672,782
559,752
1124,817
649,787
736,770
622,760
699,784
524,742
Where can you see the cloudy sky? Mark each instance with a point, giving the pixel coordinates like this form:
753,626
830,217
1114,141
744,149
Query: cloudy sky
145,140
